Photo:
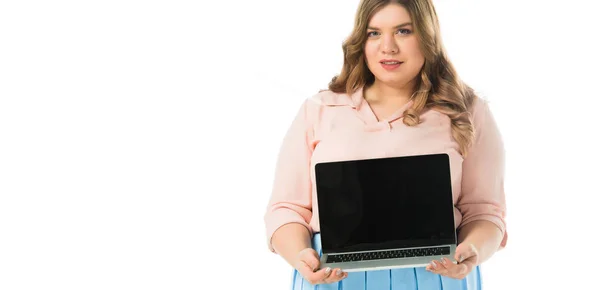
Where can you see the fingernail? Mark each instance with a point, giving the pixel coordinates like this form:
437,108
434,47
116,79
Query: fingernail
327,270
443,261
460,259
433,265
339,272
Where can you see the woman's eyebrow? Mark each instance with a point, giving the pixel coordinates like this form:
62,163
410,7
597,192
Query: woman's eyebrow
395,27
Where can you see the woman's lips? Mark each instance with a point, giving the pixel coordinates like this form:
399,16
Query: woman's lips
390,65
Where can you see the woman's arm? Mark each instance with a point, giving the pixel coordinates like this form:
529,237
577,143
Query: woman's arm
484,235
289,240
482,199
290,209
482,230
288,214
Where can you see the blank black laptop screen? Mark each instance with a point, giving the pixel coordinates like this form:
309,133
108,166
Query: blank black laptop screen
385,203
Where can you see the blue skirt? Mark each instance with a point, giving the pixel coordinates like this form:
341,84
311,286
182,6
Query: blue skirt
395,279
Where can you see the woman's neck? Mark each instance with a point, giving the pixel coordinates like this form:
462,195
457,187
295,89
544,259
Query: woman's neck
383,93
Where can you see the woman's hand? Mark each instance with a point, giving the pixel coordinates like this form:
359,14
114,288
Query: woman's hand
467,257
307,262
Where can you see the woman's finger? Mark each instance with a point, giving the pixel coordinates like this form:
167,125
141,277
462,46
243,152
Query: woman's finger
466,266
453,270
465,251
437,268
314,278
310,257
446,268
458,271
447,264
336,276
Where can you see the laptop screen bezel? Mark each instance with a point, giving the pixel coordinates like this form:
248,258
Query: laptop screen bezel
442,159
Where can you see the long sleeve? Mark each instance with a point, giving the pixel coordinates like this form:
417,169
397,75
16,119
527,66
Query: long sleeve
482,196
291,197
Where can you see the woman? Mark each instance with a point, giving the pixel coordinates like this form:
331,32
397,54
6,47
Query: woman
397,94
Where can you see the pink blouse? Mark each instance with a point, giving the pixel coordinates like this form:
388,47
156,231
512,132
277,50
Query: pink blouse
331,127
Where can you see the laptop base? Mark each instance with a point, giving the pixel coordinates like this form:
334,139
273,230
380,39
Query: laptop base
386,264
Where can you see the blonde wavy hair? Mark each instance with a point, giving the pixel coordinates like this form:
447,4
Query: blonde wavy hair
438,85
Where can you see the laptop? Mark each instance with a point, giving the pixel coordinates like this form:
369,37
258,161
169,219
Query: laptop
385,213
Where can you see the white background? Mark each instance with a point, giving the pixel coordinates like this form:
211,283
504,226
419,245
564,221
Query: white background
138,138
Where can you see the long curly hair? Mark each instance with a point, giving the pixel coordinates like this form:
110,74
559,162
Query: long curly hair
438,85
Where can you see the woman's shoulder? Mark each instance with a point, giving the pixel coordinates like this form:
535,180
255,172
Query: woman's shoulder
479,103
330,98
319,108
480,109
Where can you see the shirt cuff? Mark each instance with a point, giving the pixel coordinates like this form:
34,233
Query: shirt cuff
499,222
279,218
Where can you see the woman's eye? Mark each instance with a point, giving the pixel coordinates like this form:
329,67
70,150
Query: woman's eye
400,31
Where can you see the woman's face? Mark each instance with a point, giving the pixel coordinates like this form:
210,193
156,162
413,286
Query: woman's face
392,49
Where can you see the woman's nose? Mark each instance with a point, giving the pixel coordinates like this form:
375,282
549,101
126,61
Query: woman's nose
389,45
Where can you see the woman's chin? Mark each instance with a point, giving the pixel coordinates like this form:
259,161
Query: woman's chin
390,80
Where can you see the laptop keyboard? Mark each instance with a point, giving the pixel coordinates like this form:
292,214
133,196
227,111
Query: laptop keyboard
393,254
